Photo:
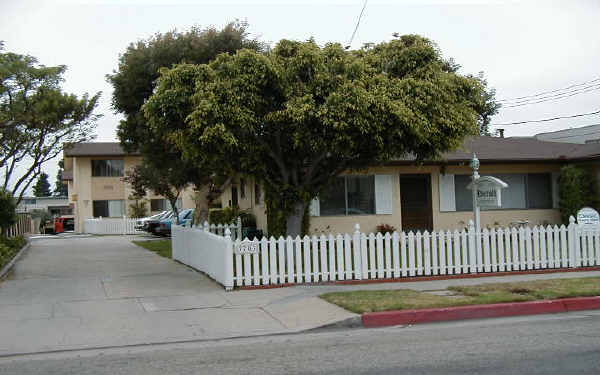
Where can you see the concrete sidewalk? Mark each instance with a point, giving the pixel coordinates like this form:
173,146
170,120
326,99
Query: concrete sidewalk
105,291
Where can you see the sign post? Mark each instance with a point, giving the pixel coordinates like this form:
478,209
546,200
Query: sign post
486,192
475,178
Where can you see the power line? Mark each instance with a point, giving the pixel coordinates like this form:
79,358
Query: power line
553,98
357,23
548,119
556,94
551,91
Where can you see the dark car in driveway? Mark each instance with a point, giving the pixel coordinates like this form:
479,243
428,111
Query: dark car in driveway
151,226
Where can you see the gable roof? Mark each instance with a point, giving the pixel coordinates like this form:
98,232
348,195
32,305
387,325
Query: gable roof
95,149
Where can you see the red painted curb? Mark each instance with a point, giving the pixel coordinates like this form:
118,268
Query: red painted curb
400,317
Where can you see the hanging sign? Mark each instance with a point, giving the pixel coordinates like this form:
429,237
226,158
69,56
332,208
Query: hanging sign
588,216
489,191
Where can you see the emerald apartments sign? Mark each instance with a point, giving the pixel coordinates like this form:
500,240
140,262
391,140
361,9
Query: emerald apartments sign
489,191
588,216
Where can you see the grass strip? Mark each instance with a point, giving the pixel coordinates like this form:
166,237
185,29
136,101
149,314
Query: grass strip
365,301
161,247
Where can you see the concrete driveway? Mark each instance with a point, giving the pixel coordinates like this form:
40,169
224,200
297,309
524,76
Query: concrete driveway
85,292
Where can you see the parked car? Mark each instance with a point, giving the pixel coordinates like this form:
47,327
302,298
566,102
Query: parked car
140,224
185,218
151,225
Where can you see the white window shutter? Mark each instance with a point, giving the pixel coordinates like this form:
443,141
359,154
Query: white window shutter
315,207
555,196
447,193
384,196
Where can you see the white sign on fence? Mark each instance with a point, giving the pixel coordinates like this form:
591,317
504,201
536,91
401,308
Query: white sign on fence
247,248
489,191
588,216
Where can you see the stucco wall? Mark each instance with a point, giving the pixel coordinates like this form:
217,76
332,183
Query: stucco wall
441,220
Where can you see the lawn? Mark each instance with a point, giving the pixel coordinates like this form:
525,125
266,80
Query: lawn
385,300
161,247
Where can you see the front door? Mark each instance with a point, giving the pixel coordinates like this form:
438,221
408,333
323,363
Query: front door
415,198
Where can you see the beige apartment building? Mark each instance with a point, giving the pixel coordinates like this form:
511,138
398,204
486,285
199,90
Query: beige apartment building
431,195
94,174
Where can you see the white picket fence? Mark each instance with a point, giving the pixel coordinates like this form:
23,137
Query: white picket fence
363,256
219,229
110,226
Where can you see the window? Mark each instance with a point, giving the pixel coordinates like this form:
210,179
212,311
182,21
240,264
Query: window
163,205
524,191
107,168
114,208
349,195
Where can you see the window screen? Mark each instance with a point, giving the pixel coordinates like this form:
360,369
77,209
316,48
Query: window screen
539,190
333,199
349,195
114,208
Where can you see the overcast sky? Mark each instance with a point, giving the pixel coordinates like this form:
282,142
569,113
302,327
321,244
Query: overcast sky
523,47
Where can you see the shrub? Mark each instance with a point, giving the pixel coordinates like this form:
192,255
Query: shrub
385,228
248,220
8,211
225,216
9,247
576,190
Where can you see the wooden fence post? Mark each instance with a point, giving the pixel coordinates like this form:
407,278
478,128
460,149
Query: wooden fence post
358,254
472,247
573,241
228,263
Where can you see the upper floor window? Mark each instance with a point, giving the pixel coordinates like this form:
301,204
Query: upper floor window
107,168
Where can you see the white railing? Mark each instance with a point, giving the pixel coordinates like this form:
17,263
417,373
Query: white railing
214,256
393,255
110,226
219,229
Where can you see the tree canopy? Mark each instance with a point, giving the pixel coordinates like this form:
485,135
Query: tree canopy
135,80
300,115
37,118
8,214
42,186
60,188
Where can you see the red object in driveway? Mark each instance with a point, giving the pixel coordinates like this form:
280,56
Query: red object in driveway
62,224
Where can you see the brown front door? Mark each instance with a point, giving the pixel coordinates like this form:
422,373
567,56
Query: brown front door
415,198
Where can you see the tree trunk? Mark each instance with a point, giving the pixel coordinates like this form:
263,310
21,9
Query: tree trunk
294,220
174,209
201,200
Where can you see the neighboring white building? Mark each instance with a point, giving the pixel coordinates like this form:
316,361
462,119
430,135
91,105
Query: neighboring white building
57,206
582,135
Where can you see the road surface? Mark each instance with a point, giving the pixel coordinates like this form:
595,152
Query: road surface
548,344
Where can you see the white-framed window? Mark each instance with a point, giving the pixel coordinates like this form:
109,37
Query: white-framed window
109,208
107,168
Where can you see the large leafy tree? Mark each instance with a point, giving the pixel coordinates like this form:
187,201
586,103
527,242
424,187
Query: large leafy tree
135,81
36,119
42,186
301,115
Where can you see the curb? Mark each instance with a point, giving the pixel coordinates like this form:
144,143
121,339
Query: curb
403,317
6,269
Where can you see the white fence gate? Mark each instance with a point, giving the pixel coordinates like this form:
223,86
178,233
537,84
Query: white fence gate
376,256
110,226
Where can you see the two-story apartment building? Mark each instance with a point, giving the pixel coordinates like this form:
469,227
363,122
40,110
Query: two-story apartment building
94,174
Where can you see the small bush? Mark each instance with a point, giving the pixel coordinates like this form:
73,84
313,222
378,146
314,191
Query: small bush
576,190
8,215
9,247
225,216
248,220
385,228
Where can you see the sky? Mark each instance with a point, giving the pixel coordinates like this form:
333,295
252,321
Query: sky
523,47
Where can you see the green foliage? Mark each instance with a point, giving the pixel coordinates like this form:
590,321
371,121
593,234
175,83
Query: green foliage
9,247
8,214
248,219
577,189
226,215
299,116
42,186
138,208
44,216
135,81
37,118
60,189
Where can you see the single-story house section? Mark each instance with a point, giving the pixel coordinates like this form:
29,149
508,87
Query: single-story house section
433,194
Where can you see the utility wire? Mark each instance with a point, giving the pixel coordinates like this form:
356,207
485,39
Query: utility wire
547,119
551,91
594,85
513,105
357,23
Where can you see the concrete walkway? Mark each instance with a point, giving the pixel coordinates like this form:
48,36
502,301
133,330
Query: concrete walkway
85,292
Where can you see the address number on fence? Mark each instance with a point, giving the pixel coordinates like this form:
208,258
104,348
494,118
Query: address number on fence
247,248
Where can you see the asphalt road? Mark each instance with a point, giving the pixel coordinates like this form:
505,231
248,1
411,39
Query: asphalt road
550,344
